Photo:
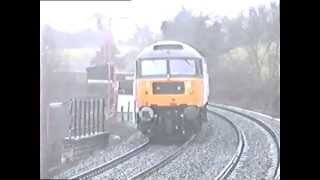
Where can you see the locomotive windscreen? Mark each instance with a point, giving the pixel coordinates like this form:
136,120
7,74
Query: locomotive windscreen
182,67
172,67
153,67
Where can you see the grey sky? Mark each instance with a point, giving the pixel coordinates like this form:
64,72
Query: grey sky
74,16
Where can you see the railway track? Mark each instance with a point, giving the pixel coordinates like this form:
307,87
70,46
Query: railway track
108,165
223,174
260,123
163,161
113,163
227,170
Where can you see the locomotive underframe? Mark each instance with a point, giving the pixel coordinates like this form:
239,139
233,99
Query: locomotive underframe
174,120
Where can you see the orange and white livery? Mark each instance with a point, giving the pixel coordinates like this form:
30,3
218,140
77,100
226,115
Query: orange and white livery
171,89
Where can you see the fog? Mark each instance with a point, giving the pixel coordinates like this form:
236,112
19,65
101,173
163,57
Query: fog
240,41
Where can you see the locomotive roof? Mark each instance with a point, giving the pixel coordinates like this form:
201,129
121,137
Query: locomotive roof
167,49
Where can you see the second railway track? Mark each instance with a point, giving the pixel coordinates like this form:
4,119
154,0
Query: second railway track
236,157
172,154
272,133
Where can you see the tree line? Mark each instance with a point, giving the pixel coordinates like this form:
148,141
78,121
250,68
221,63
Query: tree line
243,54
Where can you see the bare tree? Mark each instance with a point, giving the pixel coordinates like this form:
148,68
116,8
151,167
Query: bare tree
251,76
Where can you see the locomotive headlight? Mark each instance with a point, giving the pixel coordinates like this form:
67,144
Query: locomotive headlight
188,85
148,87
146,114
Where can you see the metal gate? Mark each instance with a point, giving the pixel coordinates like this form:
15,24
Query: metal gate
88,117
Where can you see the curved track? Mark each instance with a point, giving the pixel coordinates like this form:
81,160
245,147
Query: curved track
274,136
236,157
225,172
164,160
113,163
108,165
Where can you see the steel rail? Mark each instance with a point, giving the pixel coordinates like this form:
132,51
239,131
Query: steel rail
112,163
274,136
227,170
164,161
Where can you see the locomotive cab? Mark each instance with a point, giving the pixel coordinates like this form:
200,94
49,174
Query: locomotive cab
170,89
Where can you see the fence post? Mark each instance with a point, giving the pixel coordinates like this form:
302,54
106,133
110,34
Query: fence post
122,114
72,118
85,118
89,120
75,118
99,114
80,116
128,115
93,118
134,112
103,114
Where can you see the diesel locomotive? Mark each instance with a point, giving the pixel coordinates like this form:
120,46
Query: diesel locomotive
171,89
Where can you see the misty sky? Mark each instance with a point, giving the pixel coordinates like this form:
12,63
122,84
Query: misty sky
72,16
